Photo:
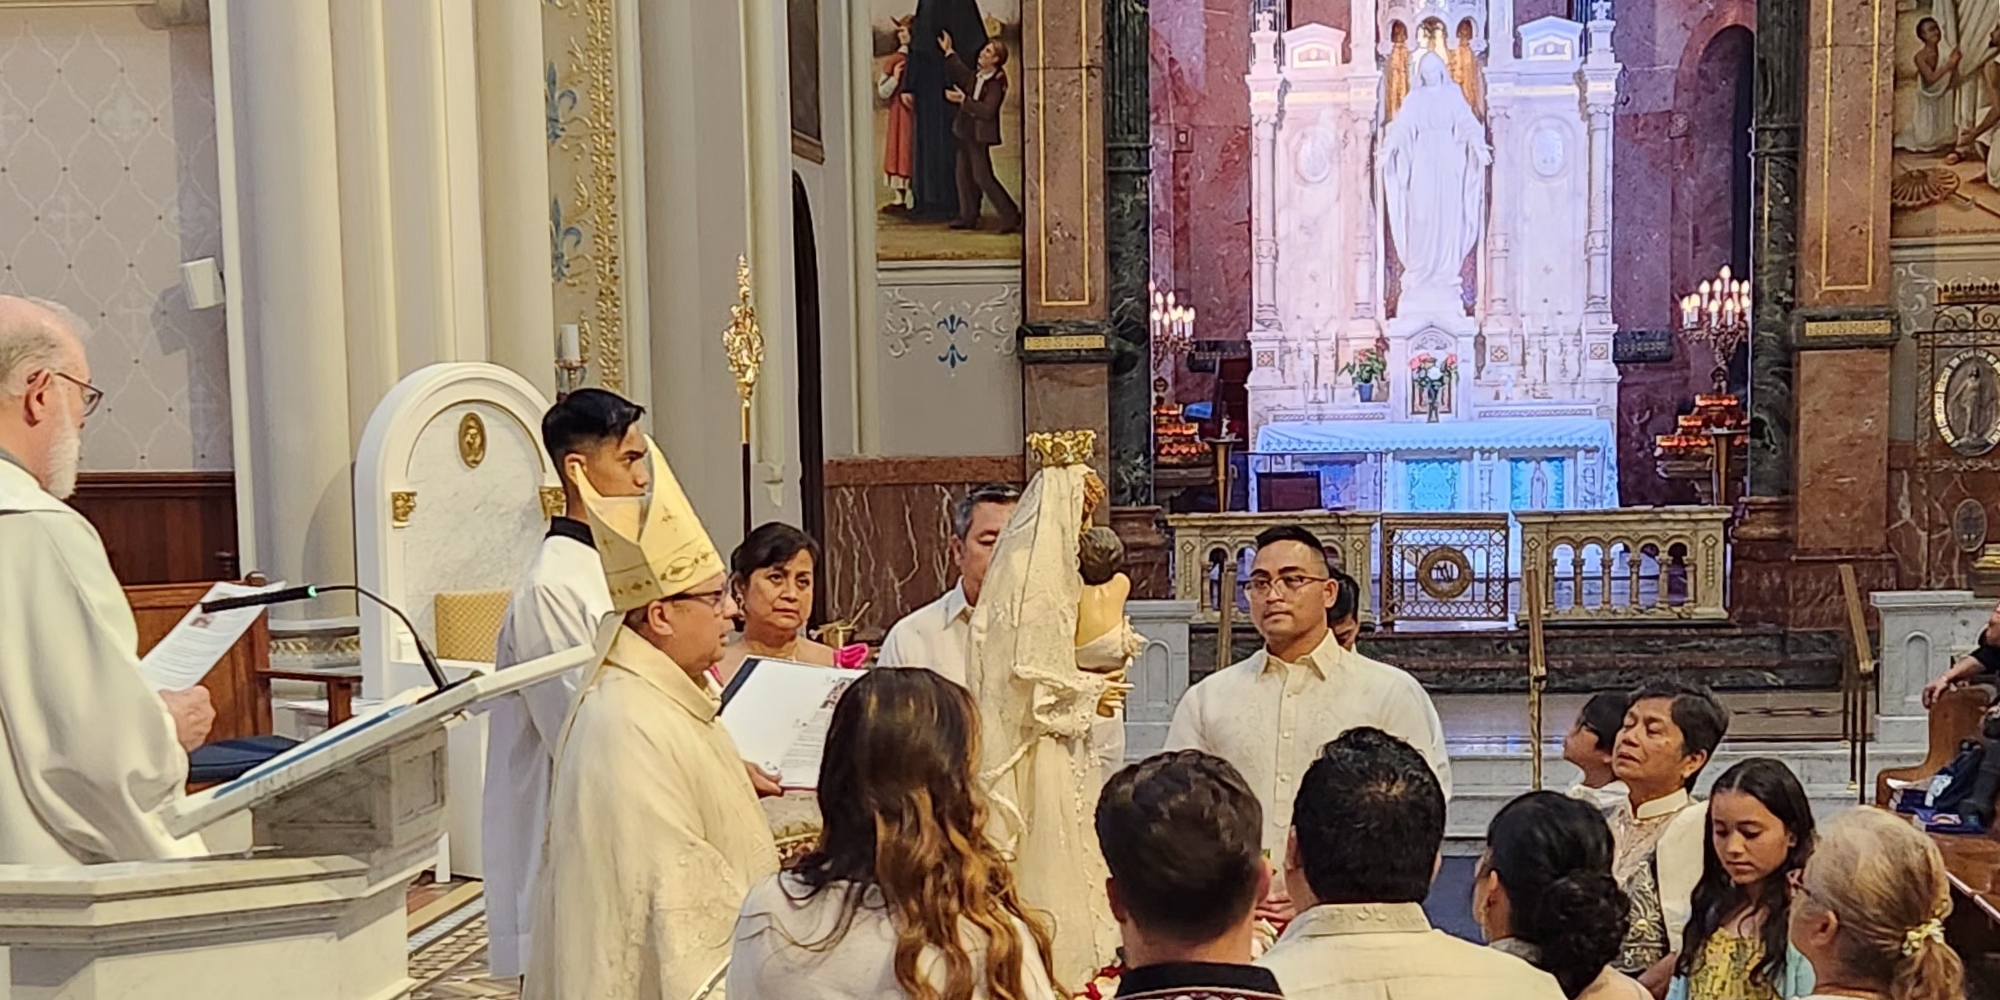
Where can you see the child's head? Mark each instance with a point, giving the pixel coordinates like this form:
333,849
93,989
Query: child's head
1760,822
994,55
1928,31
1590,741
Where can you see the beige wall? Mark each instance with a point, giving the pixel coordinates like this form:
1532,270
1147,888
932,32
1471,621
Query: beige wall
109,182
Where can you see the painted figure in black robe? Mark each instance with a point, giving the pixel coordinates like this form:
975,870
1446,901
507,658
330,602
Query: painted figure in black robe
935,154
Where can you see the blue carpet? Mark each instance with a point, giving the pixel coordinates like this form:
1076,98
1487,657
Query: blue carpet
1450,902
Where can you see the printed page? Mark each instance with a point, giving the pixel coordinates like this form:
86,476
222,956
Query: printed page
778,713
201,640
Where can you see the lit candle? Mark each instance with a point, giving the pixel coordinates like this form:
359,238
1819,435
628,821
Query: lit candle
569,345
1725,274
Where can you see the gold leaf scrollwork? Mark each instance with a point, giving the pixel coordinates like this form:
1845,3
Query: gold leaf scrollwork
584,31
402,503
552,502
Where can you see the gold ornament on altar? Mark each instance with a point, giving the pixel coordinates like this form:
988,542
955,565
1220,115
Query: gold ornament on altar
402,504
471,440
743,340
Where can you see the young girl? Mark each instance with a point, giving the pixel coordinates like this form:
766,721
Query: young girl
1760,831
897,144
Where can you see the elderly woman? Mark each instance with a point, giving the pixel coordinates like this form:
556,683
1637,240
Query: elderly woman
771,577
1868,912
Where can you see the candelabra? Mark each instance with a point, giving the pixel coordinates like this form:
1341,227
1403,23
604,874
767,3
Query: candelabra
1718,315
1171,327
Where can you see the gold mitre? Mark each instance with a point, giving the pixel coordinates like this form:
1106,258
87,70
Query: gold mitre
653,547
1055,449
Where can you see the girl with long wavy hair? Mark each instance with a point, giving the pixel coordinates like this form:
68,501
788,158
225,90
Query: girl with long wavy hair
1760,831
903,896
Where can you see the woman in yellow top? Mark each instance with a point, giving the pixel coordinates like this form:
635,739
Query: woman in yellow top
1760,828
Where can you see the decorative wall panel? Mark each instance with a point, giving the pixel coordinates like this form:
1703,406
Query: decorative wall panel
947,360
586,230
108,181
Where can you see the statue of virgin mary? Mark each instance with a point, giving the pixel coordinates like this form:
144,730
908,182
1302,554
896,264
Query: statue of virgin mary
1433,163
1037,708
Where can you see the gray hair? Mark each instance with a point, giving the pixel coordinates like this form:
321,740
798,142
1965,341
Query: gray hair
996,493
30,344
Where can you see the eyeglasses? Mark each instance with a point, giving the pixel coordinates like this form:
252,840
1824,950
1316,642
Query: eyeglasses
92,395
1795,883
712,598
1289,583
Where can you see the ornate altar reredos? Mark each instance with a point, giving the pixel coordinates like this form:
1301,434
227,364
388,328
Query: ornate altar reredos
1432,207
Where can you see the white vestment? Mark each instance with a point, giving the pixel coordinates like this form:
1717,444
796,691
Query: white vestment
92,751
1036,712
655,838
558,607
1433,162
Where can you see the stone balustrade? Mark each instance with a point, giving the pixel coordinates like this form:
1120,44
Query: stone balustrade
1212,553
1633,564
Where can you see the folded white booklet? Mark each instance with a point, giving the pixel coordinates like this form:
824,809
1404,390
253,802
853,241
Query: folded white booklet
201,639
778,713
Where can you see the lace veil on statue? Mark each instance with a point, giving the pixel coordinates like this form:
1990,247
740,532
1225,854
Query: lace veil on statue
1036,708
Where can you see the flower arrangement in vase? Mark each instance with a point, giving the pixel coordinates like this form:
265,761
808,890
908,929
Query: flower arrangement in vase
1367,368
1430,376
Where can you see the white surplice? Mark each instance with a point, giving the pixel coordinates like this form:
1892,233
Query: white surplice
1270,719
655,838
558,607
91,748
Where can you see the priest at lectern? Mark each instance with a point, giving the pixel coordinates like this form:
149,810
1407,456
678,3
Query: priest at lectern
655,834
93,752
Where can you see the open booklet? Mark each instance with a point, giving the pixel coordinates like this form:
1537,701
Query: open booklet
778,713
201,639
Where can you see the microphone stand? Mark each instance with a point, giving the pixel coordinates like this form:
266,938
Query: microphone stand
309,592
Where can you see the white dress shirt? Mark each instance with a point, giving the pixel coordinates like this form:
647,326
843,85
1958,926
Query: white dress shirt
782,949
1388,951
937,635
1606,800
1270,718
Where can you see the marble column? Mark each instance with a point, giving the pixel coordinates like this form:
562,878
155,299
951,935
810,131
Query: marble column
1774,242
1265,81
514,189
1600,72
1128,244
1068,342
281,69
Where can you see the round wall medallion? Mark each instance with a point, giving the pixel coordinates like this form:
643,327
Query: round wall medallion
1444,573
1965,401
1968,525
471,440
1314,155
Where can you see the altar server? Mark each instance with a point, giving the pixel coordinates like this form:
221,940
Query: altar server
594,436
655,835
94,753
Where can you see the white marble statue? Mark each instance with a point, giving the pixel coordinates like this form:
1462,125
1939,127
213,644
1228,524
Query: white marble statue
1433,163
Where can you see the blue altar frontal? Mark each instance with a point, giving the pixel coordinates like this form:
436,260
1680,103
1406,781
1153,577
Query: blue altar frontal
1486,464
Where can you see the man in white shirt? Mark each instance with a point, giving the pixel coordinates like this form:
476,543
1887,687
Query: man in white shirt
1270,714
1366,829
592,434
939,634
94,754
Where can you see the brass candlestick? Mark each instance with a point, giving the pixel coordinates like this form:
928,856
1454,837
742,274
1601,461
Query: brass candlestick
743,340
1538,670
1221,447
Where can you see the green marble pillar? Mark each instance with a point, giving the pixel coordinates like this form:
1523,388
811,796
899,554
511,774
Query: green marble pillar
1774,241
1128,244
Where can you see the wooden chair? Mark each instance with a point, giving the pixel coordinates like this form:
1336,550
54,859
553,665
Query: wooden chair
1955,718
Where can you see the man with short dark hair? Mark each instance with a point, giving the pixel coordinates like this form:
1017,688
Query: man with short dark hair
1183,837
1344,618
1269,714
1366,829
939,634
1671,732
593,435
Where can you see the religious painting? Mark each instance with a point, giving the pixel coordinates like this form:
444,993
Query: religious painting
1947,180
802,45
946,152
1965,401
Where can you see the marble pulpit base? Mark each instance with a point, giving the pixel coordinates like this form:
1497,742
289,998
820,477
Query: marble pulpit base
298,928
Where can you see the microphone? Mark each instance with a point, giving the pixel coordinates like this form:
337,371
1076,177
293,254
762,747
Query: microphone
308,592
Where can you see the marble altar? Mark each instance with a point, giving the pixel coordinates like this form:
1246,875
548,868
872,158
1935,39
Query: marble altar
1396,176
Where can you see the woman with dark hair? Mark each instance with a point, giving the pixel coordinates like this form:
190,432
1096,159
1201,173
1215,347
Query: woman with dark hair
1544,893
1760,831
771,577
903,896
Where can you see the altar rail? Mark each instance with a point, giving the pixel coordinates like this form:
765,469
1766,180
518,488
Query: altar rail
1622,565
1212,553
1632,564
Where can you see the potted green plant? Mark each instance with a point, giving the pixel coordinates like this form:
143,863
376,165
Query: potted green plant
1368,367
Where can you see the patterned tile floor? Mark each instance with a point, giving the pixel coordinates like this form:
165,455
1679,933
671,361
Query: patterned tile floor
448,959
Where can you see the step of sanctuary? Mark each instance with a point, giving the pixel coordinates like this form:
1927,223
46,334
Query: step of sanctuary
1473,660
1486,776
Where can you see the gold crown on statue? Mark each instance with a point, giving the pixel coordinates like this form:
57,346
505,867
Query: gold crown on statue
1054,449
652,547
